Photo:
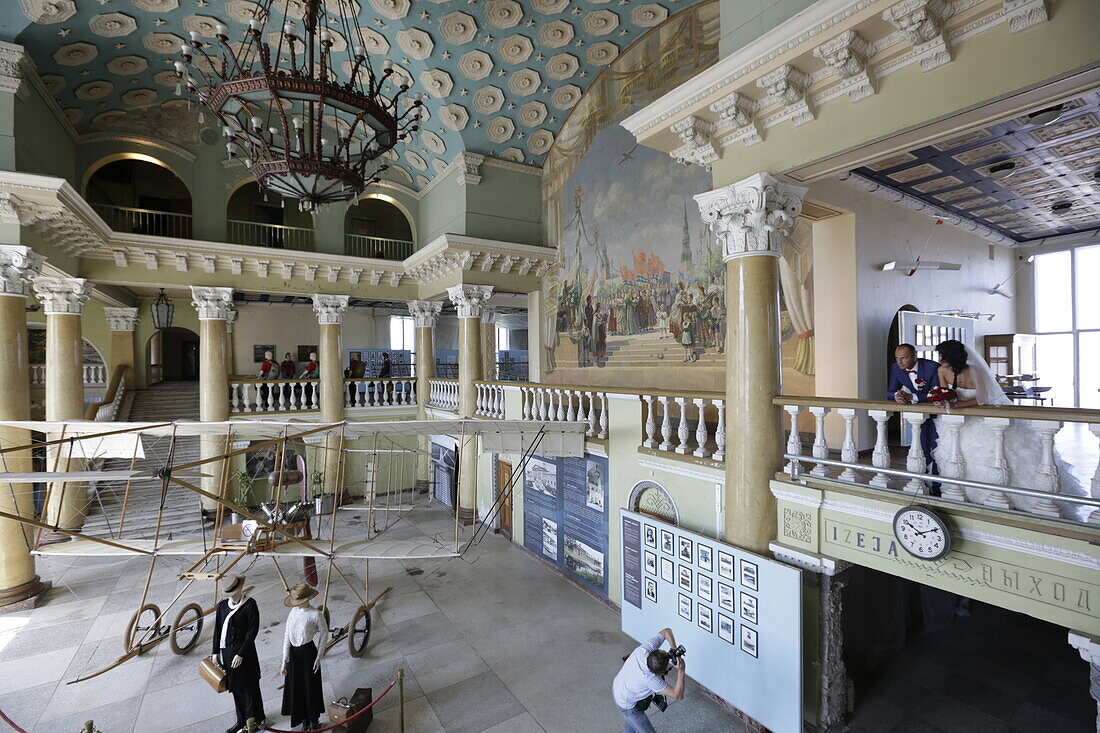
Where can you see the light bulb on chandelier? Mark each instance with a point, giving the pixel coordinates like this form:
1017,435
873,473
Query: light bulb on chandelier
266,101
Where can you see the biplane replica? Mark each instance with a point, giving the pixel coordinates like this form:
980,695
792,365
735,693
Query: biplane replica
221,532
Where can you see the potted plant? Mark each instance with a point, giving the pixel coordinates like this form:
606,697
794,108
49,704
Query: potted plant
322,502
242,493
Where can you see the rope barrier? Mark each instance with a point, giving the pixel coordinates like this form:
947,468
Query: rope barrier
17,729
343,722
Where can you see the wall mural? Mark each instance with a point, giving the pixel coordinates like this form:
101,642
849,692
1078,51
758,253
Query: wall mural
797,310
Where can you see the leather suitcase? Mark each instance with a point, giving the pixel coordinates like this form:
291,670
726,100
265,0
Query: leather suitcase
359,700
214,675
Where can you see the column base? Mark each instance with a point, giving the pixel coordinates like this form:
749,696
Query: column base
467,517
423,486
24,597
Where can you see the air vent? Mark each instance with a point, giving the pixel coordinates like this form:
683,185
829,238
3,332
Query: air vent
1001,170
1061,206
1046,116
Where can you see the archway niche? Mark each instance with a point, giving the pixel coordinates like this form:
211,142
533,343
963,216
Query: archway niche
172,355
259,219
140,196
376,227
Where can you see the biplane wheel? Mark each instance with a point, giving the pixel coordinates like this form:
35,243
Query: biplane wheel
186,629
359,632
143,627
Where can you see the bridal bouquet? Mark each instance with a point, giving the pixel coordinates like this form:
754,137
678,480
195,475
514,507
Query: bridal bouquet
942,394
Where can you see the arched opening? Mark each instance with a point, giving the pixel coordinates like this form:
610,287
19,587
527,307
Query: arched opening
172,355
259,219
376,227
893,338
140,196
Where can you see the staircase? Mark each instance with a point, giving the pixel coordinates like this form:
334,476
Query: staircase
640,350
164,402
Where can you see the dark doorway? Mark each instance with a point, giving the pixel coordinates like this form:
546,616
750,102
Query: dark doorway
893,425
178,357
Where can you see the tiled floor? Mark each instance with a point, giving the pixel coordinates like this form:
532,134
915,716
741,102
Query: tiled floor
493,641
994,671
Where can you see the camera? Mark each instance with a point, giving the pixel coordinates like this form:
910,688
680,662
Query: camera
676,653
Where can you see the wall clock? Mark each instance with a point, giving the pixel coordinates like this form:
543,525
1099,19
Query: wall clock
922,532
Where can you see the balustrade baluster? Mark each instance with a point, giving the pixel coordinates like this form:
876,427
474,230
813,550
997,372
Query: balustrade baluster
1046,477
915,462
571,413
561,405
701,435
590,431
820,448
650,436
998,465
524,411
283,387
794,440
246,397
232,397
848,452
720,431
603,415
682,432
666,425
954,466
880,456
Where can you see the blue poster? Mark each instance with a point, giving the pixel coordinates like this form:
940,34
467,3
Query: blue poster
565,515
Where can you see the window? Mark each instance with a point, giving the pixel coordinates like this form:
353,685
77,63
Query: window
504,339
402,333
1067,319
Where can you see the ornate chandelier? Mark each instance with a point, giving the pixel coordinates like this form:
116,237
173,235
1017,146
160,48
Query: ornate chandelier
301,132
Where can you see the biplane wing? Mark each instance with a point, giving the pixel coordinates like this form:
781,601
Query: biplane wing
36,476
374,549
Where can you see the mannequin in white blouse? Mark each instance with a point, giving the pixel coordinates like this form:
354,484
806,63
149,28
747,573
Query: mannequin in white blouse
303,640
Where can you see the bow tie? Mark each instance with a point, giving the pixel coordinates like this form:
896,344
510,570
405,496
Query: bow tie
910,371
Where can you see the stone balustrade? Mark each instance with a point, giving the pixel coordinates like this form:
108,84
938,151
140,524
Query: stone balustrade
443,394
685,424
490,400
956,483
561,403
303,395
366,392
95,375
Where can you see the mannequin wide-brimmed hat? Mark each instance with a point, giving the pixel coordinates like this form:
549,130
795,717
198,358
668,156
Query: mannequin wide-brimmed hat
232,583
298,595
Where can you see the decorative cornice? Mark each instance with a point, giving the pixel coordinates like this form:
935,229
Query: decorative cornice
330,309
747,218
452,253
786,86
847,56
808,561
121,319
697,136
19,266
469,299
425,313
922,23
739,112
12,76
230,319
62,295
1024,14
468,166
796,498
882,191
213,304
680,468
1088,647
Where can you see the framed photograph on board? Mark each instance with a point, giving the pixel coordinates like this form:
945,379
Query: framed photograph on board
725,628
725,597
650,562
685,550
685,607
704,587
651,590
668,570
258,351
706,557
685,578
666,542
748,641
749,577
305,351
650,536
725,565
706,621
748,608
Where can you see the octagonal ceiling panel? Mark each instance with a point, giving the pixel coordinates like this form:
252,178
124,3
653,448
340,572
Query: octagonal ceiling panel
499,77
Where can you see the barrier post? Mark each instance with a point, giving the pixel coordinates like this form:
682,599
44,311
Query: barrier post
401,700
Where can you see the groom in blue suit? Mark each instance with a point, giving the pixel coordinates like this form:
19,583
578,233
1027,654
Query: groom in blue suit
910,380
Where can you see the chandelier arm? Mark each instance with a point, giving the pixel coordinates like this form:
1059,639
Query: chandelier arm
199,47
257,137
228,53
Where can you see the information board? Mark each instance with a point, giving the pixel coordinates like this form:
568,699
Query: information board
565,515
738,614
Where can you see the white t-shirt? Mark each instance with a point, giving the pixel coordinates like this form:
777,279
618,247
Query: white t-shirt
634,681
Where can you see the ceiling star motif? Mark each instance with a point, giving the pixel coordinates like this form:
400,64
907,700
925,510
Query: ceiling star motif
531,51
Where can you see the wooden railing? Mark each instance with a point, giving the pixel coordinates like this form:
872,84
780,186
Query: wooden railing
276,236
130,220
379,248
93,375
443,394
107,409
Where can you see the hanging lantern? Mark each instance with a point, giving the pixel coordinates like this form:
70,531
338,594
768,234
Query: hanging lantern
162,311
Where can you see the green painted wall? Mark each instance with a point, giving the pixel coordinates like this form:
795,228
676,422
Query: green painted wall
506,205
41,144
442,209
743,21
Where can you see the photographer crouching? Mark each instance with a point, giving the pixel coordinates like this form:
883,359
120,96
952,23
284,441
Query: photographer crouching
641,681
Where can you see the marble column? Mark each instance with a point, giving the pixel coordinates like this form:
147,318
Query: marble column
425,313
330,311
470,300
63,301
213,306
1089,649
230,351
748,220
489,342
20,587
122,322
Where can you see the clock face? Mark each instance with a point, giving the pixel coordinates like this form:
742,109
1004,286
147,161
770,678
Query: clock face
922,533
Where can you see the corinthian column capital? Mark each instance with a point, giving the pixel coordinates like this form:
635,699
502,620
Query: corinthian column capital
425,312
330,308
747,218
121,319
213,304
62,295
19,266
230,319
469,299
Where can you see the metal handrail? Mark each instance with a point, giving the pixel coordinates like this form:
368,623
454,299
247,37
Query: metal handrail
389,248
141,211
268,226
795,472
1058,414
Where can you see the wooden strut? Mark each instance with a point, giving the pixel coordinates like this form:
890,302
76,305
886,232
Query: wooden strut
126,494
49,495
346,628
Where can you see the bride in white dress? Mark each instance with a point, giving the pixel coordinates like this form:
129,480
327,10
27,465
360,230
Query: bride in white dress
965,371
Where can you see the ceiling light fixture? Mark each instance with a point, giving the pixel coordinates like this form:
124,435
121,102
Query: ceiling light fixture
1046,116
1002,170
300,131
1061,206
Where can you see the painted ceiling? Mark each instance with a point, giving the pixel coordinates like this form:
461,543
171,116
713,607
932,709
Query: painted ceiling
1054,163
499,76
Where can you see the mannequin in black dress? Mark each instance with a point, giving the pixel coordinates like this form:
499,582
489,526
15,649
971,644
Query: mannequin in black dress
236,623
